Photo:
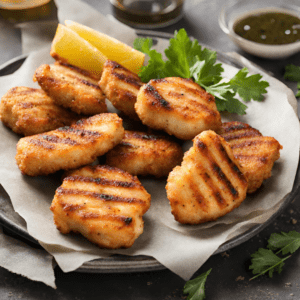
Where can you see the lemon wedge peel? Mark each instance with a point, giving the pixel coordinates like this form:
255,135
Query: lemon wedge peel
68,47
110,47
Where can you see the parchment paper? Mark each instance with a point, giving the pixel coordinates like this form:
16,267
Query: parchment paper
182,249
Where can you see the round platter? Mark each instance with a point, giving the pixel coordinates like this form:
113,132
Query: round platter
121,263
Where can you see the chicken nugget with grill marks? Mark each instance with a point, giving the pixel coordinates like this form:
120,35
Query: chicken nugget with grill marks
254,152
29,111
208,184
70,87
121,87
103,203
140,153
69,147
177,105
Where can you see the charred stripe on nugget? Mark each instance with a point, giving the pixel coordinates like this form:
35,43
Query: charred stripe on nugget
217,170
102,181
127,77
219,174
158,100
98,196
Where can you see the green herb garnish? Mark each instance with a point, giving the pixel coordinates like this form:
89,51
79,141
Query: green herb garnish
266,261
292,73
196,287
188,59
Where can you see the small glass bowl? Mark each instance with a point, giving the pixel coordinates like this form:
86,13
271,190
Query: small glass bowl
238,9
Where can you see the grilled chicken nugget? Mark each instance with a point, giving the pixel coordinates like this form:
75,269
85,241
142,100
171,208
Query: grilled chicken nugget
254,152
140,153
69,147
121,87
177,105
102,203
208,184
71,88
29,111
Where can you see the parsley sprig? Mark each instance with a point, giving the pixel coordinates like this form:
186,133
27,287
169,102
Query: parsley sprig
292,73
266,261
188,59
196,287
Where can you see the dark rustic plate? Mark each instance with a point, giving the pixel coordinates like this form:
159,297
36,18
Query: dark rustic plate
121,263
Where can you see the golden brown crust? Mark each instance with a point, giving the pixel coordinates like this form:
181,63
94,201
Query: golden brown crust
140,153
29,111
69,147
102,203
121,87
255,153
179,106
208,184
70,88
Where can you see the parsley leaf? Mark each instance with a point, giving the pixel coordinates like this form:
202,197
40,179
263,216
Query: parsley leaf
187,59
196,287
286,242
264,261
292,73
248,87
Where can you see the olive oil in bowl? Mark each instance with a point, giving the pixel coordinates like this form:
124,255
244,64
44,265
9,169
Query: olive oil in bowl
271,28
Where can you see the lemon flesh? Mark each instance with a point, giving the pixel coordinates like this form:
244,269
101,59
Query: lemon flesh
68,47
113,49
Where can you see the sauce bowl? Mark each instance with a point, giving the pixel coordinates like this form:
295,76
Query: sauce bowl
236,10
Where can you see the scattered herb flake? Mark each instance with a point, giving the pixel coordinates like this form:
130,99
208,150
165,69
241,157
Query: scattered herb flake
292,73
264,261
196,287
286,242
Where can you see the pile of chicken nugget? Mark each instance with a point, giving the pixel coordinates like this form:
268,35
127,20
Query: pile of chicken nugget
66,126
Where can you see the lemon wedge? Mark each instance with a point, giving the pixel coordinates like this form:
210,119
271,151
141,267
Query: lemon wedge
67,46
113,49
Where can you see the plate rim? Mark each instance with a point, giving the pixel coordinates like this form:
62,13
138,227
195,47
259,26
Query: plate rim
143,263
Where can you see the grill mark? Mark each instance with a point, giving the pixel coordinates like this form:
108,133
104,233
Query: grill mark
41,143
90,215
227,127
126,144
69,207
158,99
240,135
62,77
249,143
246,157
88,83
76,69
143,136
55,140
197,194
101,181
200,106
129,79
223,178
27,91
231,164
97,196
27,105
79,132
193,88
210,184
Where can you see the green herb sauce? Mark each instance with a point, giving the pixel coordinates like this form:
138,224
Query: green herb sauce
269,28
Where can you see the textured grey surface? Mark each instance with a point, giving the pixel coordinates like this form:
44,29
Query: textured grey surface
230,275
